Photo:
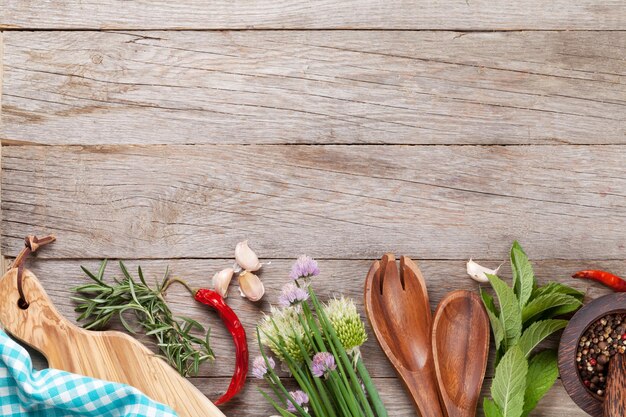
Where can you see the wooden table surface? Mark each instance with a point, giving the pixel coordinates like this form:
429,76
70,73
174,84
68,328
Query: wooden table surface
164,132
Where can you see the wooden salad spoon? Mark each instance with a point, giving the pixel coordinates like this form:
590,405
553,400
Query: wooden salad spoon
460,348
396,303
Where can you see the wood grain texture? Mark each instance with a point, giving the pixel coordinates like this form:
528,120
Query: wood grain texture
338,277
111,356
187,206
1,76
312,87
435,202
317,14
3,259
555,404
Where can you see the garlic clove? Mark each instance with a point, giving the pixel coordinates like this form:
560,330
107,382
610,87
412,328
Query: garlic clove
246,258
479,272
221,281
250,286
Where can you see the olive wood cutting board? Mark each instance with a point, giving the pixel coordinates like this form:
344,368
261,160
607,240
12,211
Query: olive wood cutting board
110,355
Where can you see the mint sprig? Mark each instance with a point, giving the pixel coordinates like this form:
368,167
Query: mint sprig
523,318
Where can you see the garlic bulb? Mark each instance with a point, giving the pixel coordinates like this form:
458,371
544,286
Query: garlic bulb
478,272
221,281
246,258
250,286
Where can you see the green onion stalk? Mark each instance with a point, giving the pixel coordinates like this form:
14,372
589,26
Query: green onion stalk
319,344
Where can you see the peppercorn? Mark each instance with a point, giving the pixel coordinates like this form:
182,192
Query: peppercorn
602,339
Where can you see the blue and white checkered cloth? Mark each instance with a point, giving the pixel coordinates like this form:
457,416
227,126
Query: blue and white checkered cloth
25,392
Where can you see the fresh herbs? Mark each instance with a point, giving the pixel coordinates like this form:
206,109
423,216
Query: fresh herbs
319,344
177,337
524,318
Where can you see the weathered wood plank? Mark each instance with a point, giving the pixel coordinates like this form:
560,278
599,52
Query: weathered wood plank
315,87
436,202
318,14
2,257
1,73
555,404
338,277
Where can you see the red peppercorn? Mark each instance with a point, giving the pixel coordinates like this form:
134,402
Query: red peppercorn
624,336
587,382
592,362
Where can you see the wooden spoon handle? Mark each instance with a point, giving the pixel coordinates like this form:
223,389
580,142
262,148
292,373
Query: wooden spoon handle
615,398
424,393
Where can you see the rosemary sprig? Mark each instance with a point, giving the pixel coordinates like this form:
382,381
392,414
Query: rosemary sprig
177,337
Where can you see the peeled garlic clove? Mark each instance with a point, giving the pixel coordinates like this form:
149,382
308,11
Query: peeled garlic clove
221,281
479,272
246,258
250,286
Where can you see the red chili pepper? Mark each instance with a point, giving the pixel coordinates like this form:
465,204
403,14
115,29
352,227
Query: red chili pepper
233,324
612,281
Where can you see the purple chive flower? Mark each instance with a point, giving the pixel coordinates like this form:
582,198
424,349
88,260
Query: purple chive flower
300,398
322,363
259,367
304,267
292,294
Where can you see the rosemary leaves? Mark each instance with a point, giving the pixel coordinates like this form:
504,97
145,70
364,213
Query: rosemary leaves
183,342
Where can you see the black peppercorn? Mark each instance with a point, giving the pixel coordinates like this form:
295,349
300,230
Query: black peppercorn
602,340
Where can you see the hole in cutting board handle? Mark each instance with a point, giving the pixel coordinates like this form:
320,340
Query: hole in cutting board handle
23,304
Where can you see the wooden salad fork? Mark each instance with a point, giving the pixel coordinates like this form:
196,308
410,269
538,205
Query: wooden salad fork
397,306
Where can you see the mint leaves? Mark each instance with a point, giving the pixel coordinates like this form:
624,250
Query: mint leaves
538,331
509,383
523,318
523,275
510,315
543,371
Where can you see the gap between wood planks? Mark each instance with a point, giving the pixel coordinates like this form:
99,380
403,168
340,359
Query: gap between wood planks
13,142
461,31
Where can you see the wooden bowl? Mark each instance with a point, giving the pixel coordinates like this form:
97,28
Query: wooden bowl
589,314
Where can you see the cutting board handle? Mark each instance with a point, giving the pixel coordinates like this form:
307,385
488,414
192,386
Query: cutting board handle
38,324
16,311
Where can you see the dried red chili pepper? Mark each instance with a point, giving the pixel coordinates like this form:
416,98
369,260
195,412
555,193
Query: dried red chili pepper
237,331
612,281
214,300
